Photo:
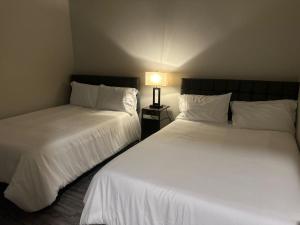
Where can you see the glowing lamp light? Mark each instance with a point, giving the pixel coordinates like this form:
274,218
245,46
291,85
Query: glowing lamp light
156,79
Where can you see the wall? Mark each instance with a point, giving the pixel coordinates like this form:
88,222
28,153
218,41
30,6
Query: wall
36,56
241,39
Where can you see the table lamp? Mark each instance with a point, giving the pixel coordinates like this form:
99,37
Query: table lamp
156,80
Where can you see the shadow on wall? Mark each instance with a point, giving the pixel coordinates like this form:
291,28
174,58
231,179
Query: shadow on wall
237,39
102,55
264,49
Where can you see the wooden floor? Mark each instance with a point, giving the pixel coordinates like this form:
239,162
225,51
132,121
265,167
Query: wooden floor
66,210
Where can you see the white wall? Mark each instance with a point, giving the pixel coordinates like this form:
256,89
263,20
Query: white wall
36,56
257,39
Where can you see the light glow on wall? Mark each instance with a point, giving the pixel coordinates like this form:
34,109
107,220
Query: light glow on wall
168,36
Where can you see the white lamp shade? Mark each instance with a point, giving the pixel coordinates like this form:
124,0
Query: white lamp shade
156,79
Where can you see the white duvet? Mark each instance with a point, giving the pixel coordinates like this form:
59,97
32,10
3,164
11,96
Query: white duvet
191,173
42,152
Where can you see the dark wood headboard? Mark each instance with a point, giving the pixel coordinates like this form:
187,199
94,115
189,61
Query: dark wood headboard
242,90
116,81
107,80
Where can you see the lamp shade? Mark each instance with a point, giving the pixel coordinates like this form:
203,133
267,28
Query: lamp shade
156,79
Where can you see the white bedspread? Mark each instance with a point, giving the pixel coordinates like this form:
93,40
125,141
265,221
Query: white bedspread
42,152
191,173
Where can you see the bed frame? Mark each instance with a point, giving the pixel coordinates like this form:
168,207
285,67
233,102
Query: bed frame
242,90
117,81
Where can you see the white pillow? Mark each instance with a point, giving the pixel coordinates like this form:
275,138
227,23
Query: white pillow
117,99
211,108
278,115
84,94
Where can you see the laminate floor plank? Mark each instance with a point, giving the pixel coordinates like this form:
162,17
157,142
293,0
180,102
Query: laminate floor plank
66,210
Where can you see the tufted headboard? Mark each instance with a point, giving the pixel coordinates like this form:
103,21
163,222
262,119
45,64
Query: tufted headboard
242,90
117,81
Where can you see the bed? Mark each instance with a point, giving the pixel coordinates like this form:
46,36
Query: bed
202,173
43,151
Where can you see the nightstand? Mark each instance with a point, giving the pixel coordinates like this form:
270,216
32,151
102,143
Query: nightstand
154,119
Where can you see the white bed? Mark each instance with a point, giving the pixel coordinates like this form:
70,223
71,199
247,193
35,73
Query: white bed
42,152
193,173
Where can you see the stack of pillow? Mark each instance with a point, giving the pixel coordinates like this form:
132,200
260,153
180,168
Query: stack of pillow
277,115
103,97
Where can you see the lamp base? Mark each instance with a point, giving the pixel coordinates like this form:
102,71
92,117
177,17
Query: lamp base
156,106
156,99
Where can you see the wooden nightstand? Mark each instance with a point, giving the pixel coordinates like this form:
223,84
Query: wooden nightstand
154,119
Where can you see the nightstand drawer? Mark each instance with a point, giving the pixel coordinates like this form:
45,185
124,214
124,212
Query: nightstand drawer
151,112
150,117
153,120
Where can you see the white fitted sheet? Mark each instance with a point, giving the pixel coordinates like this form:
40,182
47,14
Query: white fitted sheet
192,173
43,151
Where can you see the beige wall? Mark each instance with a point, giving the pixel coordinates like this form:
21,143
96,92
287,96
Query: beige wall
257,39
36,56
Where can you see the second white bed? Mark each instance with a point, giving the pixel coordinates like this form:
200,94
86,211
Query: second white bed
194,173
44,151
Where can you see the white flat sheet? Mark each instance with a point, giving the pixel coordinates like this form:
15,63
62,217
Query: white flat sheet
191,173
42,152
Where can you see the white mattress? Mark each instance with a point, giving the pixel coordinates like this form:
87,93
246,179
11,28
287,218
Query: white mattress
191,173
42,152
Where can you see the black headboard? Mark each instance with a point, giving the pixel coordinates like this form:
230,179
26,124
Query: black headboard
117,81
107,80
242,90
